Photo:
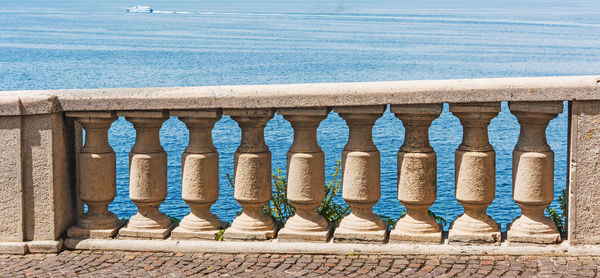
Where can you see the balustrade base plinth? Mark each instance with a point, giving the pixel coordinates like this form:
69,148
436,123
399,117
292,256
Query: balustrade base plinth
345,235
294,235
15,248
469,230
535,234
460,237
182,233
233,234
79,232
132,233
402,235
45,246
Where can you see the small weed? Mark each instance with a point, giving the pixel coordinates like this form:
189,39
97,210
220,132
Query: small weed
559,219
219,235
173,219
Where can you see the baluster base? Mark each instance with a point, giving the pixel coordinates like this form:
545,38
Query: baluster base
194,227
253,227
132,233
301,229
355,229
408,229
80,232
466,229
152,224
526,230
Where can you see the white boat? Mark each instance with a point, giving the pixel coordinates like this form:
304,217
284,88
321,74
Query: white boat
140,9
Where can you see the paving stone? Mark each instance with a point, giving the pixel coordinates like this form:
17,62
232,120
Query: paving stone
147,264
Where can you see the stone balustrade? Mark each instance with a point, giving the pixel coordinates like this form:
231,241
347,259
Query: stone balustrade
49,173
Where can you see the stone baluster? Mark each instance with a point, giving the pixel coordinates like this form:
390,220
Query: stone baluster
417,181
533,173
306,177
361,176
200,176
96,169
252,173
147,177
475,175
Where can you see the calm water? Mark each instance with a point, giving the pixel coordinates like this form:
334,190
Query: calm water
95,44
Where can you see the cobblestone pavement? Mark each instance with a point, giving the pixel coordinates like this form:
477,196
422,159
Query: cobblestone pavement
146,264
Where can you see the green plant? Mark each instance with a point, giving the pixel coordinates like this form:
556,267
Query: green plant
332,211
173,219
390,221
279,208
437,218
559,219
219,235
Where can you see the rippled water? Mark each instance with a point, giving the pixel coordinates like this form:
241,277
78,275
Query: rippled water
88,44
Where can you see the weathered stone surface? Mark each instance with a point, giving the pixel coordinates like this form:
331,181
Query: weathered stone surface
11,179
417,180
361,186
96,172
37,199
200,177
584,173
305,177
252,166
558,88
335,94
275,246
475,175
533,173
48,176
147,177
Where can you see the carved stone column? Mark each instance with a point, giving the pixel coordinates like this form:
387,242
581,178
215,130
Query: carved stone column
533,173
200,176
252,166
475,174
306,177
96,170
417,181
361,176
147,177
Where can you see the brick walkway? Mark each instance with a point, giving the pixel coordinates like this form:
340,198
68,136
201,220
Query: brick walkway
138,264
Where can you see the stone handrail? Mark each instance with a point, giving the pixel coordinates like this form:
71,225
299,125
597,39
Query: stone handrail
303,95
48,172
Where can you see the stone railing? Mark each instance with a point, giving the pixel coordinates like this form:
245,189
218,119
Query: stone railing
48,173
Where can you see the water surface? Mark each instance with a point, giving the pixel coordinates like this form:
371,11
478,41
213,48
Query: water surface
91,44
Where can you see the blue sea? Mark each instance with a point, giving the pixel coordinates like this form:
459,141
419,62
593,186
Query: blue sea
96,44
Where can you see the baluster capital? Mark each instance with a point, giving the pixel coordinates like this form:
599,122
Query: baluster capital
533,118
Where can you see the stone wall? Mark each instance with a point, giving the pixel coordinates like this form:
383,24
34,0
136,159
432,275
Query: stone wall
47,174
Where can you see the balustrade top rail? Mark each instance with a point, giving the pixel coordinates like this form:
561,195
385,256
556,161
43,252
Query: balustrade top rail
303,95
